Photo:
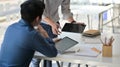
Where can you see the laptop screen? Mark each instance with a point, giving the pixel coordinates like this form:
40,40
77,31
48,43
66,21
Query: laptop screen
77,28
65,44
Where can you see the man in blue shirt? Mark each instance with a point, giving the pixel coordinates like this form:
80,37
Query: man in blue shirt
21,40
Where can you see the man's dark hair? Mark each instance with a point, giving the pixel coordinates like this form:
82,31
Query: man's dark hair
30,9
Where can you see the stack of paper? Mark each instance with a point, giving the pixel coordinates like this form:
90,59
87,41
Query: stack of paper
88,51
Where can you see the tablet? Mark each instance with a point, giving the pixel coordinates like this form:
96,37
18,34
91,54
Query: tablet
65,44
76,28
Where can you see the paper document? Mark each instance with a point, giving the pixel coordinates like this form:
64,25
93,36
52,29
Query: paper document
88,51
92,40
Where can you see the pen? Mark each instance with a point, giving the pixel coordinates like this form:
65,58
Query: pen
105,41
101,41
111,40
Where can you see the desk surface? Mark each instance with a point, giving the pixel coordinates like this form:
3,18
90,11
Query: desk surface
99,60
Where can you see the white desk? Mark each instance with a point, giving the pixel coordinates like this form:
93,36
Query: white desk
99,60
91,10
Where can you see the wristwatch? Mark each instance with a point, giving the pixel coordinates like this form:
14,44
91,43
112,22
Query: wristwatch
73,21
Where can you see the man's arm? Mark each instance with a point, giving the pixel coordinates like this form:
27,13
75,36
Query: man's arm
43,44
46,46
66,11
65,8
42,31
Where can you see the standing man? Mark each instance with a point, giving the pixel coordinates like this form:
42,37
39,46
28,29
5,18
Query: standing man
21,40
51,15
50,19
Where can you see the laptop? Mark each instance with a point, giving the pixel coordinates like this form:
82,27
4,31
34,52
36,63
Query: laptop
76,28
65,44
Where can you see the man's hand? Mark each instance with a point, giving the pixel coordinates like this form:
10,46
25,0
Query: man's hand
42,31
56,39
55,28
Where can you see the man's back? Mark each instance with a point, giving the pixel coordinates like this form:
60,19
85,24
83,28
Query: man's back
18,46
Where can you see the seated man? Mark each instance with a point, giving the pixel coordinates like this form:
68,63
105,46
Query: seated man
21,40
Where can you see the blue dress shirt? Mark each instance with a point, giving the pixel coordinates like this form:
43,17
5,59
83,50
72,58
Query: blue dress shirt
20,42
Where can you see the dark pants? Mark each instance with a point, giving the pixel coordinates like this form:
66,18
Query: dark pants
48,29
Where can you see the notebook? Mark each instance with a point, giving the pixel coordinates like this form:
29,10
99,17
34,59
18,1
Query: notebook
76,28
91,33
65,44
